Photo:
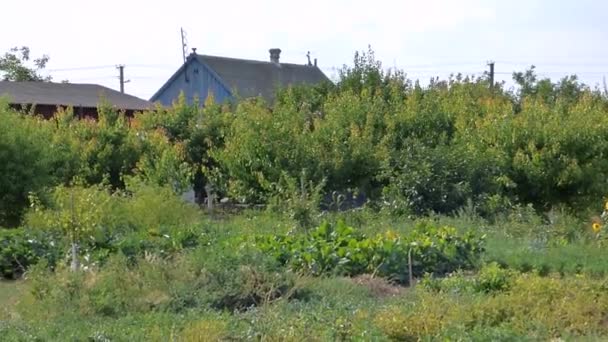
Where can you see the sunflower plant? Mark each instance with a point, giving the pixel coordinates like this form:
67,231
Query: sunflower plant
598,224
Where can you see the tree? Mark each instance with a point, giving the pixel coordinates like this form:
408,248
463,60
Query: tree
13,66
26,162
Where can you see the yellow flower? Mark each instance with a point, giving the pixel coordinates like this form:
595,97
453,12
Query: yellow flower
391,235
596,227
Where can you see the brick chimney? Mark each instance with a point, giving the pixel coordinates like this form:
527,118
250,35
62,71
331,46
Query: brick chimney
275,54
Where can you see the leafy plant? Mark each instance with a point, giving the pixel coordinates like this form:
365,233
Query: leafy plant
339,249
22,248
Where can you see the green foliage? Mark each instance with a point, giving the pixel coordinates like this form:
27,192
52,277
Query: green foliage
490,278
551,153
400,146
341,250
146,220
241,280
13,66
194,131
26,162
528,308
78,212
493,278
110,150
20,248
423,149
39,154
521,167
298,199
223,282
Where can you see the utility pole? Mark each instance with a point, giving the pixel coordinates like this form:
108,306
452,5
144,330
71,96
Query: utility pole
491,64
121,68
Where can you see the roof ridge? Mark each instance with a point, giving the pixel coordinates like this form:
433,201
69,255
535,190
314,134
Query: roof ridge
252,60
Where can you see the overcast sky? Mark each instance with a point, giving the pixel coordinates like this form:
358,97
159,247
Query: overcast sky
424,38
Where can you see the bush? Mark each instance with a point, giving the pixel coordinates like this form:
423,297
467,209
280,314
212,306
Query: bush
144,219
26,162
240,280
490,279
22,248
201,280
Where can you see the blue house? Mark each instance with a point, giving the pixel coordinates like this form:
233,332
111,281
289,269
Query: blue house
226,78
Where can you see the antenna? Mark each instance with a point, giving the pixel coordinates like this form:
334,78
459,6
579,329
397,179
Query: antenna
184,44
184,48
308,56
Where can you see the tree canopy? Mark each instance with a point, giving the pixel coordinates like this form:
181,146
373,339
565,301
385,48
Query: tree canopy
15,66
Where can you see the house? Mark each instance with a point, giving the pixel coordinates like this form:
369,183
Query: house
46,97
226,78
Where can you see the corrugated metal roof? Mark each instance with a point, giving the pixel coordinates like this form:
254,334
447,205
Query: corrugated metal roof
68,94
249,78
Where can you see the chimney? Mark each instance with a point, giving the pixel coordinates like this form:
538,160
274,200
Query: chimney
315,62
275,54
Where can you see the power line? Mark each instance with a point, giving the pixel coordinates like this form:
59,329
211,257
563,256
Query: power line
82,68
581,63
93,78
153,66
99,67
561,72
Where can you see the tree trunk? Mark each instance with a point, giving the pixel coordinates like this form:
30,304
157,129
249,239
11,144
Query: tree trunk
75,266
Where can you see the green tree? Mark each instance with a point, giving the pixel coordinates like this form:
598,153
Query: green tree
77,211
14,66
26,162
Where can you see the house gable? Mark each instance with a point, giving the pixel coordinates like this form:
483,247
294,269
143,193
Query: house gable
228,78
196,80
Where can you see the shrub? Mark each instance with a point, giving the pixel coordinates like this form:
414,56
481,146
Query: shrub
298,199
490,279
26,162
199,281
241,279
21,248
493,278
145,219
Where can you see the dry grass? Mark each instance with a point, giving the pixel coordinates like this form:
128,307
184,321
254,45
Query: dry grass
379,287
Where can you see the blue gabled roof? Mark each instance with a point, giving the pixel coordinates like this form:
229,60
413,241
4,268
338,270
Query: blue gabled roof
250,78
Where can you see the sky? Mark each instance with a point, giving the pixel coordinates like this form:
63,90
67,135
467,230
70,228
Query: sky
86,40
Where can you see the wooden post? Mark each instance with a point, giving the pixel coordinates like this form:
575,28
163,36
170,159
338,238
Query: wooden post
75,265
410,268
210,196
